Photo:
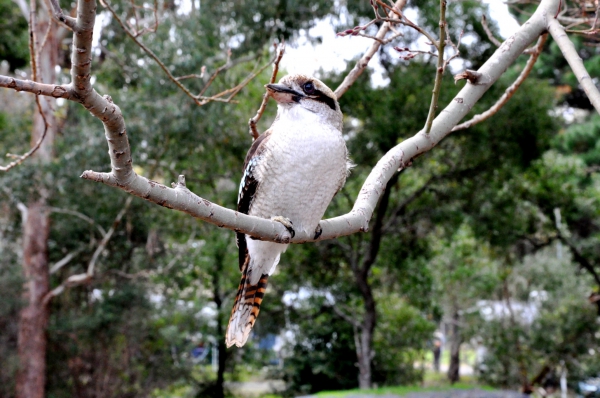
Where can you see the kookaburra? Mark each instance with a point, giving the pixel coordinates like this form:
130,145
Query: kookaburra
291,173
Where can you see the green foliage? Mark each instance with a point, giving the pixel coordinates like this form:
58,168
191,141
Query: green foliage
14,40
561,325
400,339
582,140
322,351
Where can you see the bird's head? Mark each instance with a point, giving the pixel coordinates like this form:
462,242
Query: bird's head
307,92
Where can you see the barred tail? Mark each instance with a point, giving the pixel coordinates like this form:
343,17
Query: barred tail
246,307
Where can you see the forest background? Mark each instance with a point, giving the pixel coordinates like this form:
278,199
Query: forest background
492,237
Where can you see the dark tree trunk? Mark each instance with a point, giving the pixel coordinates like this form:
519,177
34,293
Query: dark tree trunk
364,340
455,342
33,318
219,390
364,350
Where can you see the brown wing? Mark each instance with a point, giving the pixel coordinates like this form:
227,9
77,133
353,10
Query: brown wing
248,187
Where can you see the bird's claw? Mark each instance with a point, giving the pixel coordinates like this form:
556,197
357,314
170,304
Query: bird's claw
318,231
287,223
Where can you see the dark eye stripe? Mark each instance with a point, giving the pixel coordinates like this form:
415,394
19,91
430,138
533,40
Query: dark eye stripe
321,97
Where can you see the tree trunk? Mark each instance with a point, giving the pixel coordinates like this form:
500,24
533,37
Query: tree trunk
364,355
364,351
455,342
33,318
364,341
219,391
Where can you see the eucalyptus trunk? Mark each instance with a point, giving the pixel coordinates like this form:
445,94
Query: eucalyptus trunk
33,318
455,342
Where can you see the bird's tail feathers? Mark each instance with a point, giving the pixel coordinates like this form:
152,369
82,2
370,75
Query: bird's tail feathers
246,306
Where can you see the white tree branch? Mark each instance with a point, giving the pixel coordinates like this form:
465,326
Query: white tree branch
568,49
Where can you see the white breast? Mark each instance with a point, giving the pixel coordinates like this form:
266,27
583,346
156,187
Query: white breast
302,168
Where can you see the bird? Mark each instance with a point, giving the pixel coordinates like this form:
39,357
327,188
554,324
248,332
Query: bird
291,173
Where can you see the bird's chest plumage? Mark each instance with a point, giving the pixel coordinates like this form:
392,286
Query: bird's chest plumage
303,166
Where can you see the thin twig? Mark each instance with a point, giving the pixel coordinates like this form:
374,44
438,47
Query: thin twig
216,72
510,91
279,50
362,63
348,318
456,48
33,56
79,215
440,68
497,42
46,35
488,32
199,100
83,278
233,91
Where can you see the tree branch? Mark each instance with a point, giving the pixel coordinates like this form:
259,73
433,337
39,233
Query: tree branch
580,258
58,14
81,279
568,50
79,215
439,72
348,318
362,63
279,50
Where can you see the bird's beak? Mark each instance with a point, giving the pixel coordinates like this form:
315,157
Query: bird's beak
283,94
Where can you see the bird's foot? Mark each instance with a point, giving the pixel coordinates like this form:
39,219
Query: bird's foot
287,223
318,231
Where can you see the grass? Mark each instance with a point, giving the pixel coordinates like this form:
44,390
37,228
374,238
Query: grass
432,382
400,390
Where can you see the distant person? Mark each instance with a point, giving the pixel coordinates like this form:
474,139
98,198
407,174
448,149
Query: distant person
437,353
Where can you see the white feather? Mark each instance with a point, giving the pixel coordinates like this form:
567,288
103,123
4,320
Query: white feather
264,257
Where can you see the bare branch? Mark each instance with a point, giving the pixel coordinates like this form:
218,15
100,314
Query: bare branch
510,91
59,15
437,86
80,279
488,32
279,50
79,215
63,261
34,73
362,63
575,62
20,159
29,86
455,47
348,318
216,73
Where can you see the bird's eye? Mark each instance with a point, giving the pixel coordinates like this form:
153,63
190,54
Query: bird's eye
309,88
